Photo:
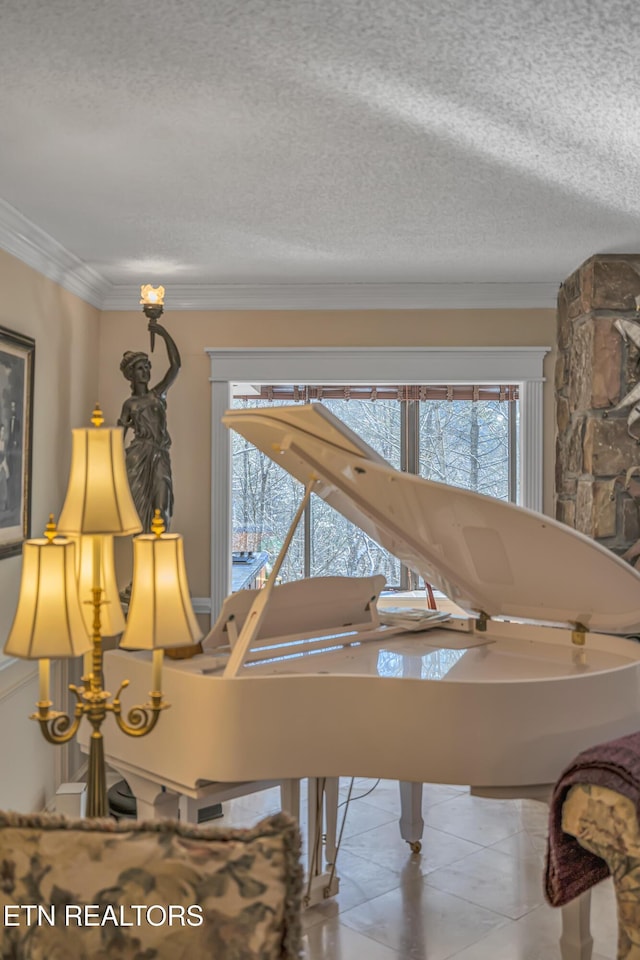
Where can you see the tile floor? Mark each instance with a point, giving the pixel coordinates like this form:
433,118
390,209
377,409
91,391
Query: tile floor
474,893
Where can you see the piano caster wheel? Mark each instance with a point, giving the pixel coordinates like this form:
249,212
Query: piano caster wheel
415,846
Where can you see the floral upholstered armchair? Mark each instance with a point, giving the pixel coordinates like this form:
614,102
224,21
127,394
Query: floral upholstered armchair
594,832
606,825
100,890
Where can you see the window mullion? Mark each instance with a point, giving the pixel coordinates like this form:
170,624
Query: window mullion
410,463
512,450
307,539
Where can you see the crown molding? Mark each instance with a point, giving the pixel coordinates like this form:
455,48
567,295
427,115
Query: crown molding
33,246
343,296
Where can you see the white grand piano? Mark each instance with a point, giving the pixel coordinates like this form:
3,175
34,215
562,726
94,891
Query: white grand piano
302,681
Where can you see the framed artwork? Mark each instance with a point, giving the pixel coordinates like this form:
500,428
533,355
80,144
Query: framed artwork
17,361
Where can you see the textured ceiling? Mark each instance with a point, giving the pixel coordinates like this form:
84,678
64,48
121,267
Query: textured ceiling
322,141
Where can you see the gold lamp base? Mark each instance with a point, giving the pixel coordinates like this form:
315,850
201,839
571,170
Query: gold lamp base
94,703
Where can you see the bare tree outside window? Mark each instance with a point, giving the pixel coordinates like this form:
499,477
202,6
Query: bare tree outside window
464,443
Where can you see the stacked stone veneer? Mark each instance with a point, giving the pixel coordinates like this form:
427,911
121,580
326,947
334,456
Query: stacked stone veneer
595,369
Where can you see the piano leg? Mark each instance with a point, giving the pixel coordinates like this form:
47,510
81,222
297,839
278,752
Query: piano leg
290,797
331,818
576,942
411,822
322,808
315,823
152,801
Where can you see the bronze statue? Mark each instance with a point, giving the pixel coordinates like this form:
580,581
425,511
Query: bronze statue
145,412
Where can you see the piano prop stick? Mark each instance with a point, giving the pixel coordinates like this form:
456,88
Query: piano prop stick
258,608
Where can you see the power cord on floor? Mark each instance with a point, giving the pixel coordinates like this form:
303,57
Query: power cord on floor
361,796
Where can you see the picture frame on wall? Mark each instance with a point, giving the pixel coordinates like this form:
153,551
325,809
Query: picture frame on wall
17,363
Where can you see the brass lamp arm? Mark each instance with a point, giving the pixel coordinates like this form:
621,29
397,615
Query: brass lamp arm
141,719
58,727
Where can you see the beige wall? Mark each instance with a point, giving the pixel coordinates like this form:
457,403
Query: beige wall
66,333
189,398
77,363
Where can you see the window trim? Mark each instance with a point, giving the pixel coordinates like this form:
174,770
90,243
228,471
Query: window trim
325,365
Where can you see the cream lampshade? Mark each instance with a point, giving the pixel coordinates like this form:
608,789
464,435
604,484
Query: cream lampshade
111,617
98,497
48,621
98,503
160,612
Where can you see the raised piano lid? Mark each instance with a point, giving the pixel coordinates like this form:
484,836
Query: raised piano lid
486,555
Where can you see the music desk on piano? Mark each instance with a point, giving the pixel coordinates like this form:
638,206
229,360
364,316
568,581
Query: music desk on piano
502,701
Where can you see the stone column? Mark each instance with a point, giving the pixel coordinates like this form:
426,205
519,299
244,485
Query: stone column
594,370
